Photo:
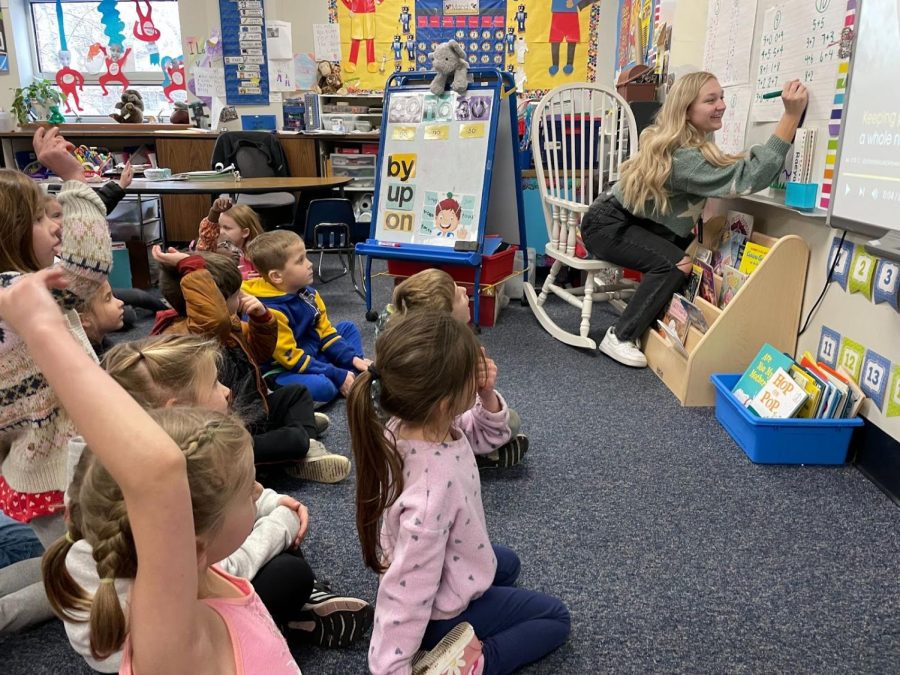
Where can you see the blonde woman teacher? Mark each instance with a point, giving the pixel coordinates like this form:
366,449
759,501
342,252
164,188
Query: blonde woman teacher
647,220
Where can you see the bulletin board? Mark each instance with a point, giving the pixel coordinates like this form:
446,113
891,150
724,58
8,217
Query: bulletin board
542,43
755,46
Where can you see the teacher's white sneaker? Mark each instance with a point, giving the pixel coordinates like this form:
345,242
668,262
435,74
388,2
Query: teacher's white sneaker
625,352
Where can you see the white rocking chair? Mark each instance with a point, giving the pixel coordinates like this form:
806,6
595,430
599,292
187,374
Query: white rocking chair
580,135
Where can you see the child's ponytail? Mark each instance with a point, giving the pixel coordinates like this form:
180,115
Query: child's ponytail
379,469
64,594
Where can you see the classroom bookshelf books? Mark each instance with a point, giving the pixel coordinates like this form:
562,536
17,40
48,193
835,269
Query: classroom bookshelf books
777,386
737,331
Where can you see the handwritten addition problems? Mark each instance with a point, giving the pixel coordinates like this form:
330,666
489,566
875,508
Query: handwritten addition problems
729,27
800,40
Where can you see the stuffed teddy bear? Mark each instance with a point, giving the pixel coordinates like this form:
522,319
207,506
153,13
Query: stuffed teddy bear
130,108
447,59
330,79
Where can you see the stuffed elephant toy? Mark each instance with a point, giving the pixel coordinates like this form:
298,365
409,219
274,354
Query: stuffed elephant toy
449,58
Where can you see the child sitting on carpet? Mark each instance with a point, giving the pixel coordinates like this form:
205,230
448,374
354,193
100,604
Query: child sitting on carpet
417,418
172,370
161,499
204,291
435,290
310,351
229,228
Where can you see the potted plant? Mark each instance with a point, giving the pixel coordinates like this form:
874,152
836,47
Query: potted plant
35,101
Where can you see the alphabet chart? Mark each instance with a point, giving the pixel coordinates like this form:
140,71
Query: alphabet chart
800,40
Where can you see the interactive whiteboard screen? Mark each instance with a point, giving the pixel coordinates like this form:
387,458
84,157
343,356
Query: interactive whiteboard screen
867,189
431,185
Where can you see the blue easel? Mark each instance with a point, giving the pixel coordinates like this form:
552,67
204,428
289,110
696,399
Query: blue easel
501,175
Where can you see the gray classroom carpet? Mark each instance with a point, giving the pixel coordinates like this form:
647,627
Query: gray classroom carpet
673,552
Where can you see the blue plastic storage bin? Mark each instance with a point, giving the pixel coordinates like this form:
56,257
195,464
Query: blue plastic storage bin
790,441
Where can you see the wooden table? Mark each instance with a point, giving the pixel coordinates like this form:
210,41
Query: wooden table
142,186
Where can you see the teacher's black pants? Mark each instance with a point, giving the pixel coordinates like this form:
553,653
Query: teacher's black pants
613,234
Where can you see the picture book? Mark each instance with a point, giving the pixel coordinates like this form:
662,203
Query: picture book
857,397
779,398
844,378
695,316
707,289
669,334
677,319
732,280
762,368
693,284
813,389
739,222
829,392
752,256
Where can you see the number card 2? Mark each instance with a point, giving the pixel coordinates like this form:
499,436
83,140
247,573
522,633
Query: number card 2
887,283
829,342
874,379
842,266
862,269
892,409
851,356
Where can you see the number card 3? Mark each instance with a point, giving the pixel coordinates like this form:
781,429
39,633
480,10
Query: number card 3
842,266
851,356
829,341
874,380
887,283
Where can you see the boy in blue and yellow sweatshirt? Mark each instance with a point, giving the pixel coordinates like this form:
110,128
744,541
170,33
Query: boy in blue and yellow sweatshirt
325,358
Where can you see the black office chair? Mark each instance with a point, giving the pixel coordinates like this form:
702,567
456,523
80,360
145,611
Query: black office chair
331,227
257,154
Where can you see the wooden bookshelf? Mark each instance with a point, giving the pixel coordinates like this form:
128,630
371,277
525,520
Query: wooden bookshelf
767,308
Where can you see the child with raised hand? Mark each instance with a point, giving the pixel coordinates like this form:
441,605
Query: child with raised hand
311,351
229,228
204,291
164,497
435,290
34,429
416,417
176,370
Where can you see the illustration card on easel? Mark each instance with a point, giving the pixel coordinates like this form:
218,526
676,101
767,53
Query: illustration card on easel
448,218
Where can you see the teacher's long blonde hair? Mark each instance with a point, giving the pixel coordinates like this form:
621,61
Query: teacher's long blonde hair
644,176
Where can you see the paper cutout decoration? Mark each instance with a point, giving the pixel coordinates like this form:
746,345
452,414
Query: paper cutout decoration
874,378
851,356
842,266
362,29
146,31
887,283
893,399
174,69
829,342
69,80
862,269
115,54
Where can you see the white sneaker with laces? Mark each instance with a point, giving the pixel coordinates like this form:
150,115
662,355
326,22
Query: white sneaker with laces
323,421
625,352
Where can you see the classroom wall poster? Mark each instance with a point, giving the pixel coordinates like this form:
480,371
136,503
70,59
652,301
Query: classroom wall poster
543,44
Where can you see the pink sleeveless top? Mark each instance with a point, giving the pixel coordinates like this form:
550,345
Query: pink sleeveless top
258,645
